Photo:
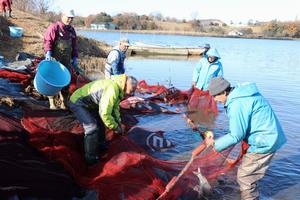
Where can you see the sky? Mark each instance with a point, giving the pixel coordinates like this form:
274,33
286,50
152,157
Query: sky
225,10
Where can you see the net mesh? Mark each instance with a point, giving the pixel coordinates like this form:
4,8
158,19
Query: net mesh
129,169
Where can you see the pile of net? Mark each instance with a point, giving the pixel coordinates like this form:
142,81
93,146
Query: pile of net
151,162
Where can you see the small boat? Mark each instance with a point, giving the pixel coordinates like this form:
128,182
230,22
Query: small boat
140,48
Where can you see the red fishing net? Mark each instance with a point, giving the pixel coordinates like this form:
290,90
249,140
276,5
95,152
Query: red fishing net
130,168
25,171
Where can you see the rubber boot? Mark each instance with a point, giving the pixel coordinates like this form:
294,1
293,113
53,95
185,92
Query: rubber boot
51,102
92,147
9,14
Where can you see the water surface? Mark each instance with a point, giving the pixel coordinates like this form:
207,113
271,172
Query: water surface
274,65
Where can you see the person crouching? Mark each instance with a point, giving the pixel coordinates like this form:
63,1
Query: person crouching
103,96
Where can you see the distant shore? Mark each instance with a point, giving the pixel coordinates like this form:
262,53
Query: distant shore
187,33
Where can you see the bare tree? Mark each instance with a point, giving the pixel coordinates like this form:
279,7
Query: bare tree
34,6
24,5
42,6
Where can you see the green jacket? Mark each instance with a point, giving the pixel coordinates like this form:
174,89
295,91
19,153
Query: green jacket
107,94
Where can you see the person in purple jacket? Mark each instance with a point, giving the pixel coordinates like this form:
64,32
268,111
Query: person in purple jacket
60,43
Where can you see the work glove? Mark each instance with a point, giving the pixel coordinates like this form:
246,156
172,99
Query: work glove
208,134
48,55
77,69
119,130
75,61
208,141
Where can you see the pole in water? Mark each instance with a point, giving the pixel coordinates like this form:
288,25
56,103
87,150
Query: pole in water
175,179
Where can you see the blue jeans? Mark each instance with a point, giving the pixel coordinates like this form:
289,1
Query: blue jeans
87,118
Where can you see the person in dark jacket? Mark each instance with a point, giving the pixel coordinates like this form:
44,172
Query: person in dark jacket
251,119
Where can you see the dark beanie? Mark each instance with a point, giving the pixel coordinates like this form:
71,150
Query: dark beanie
217,85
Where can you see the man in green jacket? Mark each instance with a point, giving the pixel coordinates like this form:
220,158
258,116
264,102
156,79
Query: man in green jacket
105,95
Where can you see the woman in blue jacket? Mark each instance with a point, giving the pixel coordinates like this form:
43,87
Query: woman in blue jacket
251,119
207,68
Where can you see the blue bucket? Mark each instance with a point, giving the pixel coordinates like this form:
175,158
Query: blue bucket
51,77
15,31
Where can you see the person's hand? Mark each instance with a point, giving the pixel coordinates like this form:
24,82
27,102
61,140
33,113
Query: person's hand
75,65
208,134
77,69
75,61
209,141
119,130
48,55
193,84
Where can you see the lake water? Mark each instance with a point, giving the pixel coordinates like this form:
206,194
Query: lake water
274,65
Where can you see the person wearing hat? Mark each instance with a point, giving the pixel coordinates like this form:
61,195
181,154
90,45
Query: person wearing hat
207,68
115,59
4,4
102,96
252,120
60,43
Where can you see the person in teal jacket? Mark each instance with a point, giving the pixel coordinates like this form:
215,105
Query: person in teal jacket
207,68
103,96
251,119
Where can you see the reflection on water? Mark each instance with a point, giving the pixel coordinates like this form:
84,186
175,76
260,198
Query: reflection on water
275,67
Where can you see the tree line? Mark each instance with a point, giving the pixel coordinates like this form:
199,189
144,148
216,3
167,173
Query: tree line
39,7
282,29
133,21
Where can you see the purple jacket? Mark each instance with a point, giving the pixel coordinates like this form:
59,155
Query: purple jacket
52,34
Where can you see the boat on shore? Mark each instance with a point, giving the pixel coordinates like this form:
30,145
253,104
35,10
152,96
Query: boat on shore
139,48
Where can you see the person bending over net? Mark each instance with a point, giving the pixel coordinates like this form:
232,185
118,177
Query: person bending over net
105,96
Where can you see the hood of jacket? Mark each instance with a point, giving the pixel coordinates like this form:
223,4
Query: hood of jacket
240,91
213,52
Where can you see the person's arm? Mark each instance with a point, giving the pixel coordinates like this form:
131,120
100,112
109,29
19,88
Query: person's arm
111,63
196,73
107,103
74,44
107,71
49,37
221,70
114,63
238,125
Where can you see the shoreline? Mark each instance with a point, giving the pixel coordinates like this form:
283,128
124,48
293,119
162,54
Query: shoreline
185,33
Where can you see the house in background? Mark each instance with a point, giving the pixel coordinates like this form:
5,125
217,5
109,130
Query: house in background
235,33
103,26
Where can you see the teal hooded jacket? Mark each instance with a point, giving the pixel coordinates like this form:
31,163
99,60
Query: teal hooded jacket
252,119
205,71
